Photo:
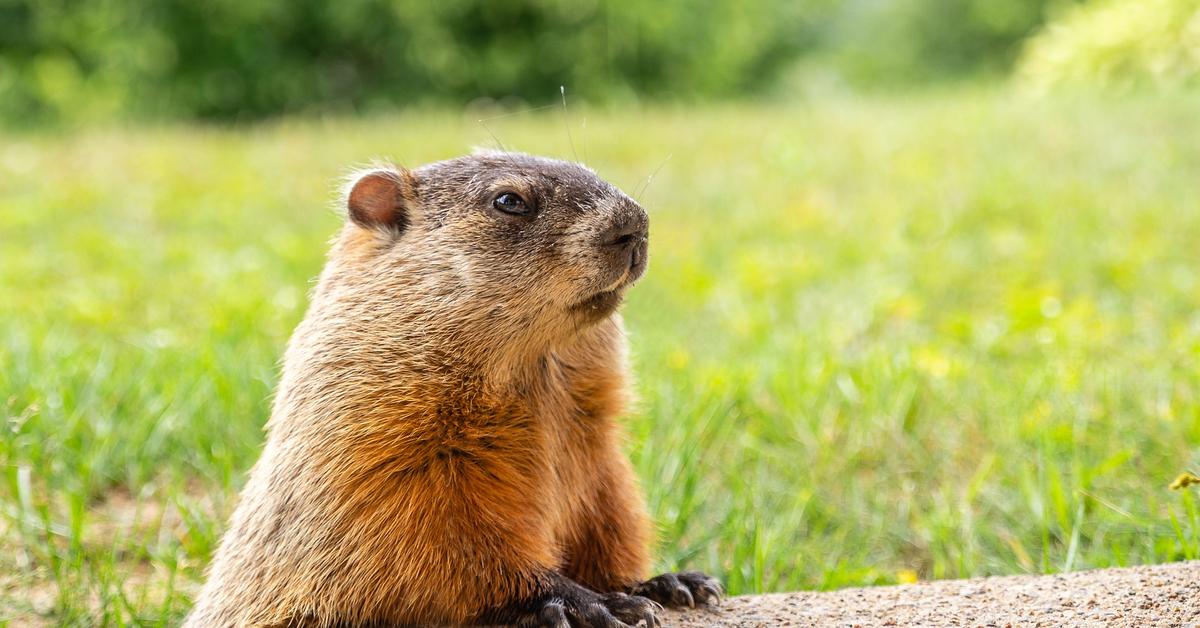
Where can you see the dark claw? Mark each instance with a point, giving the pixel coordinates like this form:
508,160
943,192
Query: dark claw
682,589
681,597
597,616
709,594
699,583
633,609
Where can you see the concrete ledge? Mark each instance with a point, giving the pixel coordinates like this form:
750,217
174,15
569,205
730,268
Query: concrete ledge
1158,595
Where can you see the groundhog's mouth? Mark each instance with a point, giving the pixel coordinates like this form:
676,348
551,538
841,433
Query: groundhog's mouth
600,304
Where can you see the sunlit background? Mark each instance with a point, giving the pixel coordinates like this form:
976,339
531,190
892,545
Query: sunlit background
922,299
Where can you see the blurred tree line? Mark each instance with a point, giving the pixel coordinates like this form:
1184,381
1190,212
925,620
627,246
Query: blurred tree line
246,59
1118,45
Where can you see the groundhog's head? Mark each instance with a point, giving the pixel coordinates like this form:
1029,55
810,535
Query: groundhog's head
506,240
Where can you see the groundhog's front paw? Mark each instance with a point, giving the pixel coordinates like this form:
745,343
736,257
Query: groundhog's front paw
633,609
685,588
614,610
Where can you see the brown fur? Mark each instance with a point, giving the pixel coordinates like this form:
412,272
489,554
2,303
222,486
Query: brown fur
443,444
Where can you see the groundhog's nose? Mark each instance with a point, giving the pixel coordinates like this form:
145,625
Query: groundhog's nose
627,238
626,231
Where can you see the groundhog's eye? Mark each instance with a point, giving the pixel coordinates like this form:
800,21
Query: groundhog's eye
510,203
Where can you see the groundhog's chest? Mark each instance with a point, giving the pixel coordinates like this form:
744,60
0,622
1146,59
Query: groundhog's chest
565,456
548,444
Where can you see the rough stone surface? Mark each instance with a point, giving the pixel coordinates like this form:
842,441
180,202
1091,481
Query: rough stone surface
1159,595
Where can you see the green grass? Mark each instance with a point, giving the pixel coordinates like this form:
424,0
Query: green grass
952,335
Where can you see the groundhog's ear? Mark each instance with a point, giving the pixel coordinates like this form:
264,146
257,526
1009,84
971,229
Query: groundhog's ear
382,198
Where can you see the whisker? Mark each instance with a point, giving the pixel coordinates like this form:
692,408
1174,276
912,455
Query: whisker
483,124
645,185
583,130
562,90
517,113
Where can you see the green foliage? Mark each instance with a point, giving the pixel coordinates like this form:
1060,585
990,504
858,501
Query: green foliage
1118,45
245,59
884,339
248,59
905,41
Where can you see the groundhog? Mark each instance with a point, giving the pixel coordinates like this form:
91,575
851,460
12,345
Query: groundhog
443,446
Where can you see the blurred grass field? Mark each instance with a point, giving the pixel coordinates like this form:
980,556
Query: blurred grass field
880,340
